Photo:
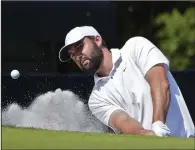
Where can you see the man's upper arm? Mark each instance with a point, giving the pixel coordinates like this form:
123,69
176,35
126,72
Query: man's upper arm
115,117
101,108
145,54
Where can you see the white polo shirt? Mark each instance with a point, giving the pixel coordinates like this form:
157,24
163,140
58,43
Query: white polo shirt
126,89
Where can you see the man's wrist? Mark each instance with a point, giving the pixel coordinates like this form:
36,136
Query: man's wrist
159,116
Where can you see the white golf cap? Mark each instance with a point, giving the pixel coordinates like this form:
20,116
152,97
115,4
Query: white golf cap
74,36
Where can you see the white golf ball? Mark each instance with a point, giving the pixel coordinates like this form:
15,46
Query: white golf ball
15,74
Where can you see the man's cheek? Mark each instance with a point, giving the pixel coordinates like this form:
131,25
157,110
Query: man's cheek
87,53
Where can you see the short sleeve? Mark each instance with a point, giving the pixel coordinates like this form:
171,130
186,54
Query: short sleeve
102,109
145,54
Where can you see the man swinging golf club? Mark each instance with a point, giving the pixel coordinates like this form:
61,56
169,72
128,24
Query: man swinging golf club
134,91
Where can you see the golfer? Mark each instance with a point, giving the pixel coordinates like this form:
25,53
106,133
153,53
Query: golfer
134,91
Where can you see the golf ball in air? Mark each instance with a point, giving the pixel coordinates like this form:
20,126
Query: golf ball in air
15,74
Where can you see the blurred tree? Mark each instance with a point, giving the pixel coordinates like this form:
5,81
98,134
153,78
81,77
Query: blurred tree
177,37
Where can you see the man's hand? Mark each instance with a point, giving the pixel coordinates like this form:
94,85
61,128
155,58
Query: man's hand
121,121
148,133
160,129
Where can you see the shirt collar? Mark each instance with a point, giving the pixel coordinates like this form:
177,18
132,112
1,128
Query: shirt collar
115,57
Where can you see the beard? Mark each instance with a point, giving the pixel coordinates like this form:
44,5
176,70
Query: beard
95,61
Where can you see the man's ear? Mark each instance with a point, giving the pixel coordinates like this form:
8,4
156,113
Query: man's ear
98,40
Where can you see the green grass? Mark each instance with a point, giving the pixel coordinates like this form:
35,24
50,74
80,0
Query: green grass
26,138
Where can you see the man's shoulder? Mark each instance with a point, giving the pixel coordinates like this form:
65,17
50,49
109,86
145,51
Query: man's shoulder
132,44
135,40
128,46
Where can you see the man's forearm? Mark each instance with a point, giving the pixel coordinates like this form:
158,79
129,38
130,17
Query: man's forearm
131,126
160,92
127,125
161,100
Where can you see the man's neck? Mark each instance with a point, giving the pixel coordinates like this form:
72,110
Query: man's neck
106,65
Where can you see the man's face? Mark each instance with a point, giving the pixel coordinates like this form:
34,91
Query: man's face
87,55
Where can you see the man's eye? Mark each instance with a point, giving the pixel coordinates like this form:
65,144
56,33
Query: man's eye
79,47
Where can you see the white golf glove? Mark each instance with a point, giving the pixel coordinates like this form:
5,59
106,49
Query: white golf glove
160,129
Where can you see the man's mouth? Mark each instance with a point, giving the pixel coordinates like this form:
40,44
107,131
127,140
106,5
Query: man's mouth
85,63
82,61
